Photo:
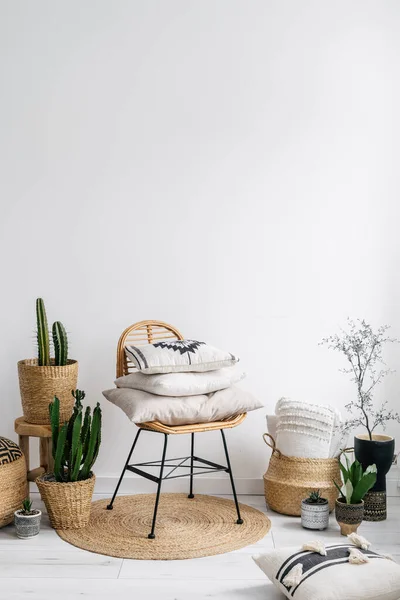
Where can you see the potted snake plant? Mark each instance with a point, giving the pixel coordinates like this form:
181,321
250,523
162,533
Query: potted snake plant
349,507
42,378
67,492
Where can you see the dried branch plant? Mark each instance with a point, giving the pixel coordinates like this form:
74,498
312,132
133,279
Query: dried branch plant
363,347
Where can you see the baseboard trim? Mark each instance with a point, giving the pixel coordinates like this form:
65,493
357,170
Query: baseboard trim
203,485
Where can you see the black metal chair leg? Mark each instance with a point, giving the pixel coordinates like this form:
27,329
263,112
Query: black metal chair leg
151,535
228,462
191,495
110,506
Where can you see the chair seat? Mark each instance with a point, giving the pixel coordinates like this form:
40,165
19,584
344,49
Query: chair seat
194,427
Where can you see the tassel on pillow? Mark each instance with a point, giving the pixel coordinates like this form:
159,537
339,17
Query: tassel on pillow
294,576
359,541
356,557
315,546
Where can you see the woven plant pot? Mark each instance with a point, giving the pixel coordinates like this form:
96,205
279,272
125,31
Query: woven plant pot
13,482
39,385
68,504
290,479
349,516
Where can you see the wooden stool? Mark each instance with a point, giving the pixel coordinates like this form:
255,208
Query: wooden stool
27,430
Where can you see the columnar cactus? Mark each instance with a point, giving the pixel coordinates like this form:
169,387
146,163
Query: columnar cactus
75,444
60,342
60,339
42,334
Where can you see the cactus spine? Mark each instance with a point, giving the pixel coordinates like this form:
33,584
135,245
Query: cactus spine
42,334
60,342
75,443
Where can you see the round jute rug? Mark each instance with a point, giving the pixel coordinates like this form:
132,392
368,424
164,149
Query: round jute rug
186,528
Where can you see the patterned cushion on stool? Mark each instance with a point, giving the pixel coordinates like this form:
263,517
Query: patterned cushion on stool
13,482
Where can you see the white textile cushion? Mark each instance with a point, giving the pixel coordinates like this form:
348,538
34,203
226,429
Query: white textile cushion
178,356
141,407
182,384
303,429
272,422
332,577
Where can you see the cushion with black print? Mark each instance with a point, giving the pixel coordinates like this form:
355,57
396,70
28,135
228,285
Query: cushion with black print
178,356
305,575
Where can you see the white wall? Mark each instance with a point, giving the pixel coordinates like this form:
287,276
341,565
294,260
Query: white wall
228,166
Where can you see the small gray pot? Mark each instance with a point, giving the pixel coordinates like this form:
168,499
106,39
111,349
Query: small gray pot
315,516
27,526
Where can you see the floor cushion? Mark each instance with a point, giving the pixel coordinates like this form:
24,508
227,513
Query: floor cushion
331,577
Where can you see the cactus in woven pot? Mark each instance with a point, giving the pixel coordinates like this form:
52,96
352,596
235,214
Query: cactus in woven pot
75,443
43,378
67,492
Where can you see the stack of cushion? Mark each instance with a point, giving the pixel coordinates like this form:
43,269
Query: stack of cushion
181,382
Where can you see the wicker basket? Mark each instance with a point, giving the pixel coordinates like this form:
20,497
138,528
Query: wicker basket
39,385
68,504
289,480
13,482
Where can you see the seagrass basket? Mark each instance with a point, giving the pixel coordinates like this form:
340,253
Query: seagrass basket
13,481
68,504
39,385
290,479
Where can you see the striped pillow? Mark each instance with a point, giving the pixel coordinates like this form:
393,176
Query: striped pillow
331,577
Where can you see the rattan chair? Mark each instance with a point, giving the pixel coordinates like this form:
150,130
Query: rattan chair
148,332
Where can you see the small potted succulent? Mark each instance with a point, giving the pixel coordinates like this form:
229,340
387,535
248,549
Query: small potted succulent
27,520
349,507
42,378
315,511
67,492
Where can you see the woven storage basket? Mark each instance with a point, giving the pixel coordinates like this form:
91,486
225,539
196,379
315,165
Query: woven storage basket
13,482
289,480
39,385
68,504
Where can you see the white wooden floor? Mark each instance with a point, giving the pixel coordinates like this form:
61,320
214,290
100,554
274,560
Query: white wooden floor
47,568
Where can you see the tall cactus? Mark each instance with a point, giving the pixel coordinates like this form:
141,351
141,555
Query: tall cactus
60,342
76,443
42,334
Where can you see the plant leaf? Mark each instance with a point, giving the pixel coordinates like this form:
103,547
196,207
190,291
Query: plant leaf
363,486
349,491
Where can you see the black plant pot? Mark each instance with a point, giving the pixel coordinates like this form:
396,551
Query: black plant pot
378,451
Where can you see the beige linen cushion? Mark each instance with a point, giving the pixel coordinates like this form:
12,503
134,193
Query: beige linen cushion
141,407
182,384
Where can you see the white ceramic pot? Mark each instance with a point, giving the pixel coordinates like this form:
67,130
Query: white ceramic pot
314,516
27,526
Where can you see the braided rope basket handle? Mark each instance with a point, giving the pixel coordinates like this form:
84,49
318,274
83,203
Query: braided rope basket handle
273,445
346,451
